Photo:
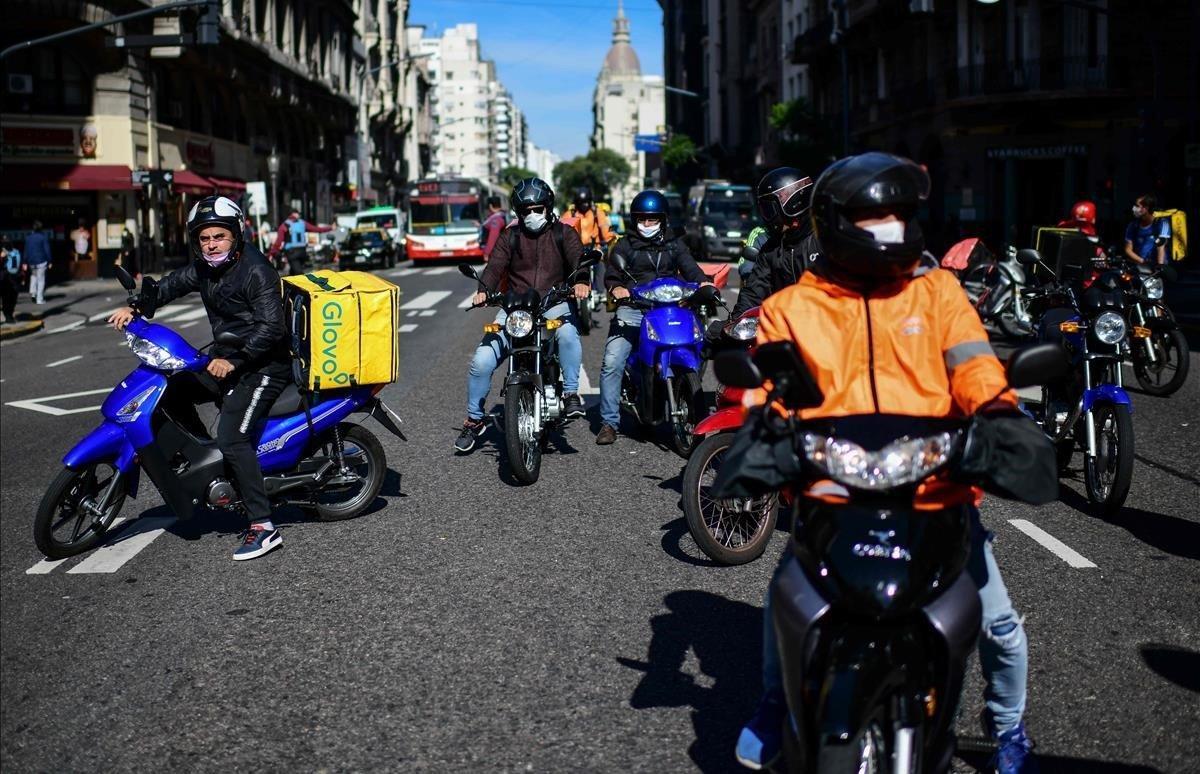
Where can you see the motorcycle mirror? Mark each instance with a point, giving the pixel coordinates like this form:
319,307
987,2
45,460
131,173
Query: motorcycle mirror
1028,257
125,278
227,339
1169,273
780,362
619,263
734,368
1036,365
704,295
750,253
468,271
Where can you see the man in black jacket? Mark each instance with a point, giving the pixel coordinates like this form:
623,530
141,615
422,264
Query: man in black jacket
789,247
650,252
241,292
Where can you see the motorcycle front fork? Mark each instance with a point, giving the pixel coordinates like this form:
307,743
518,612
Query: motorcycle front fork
1089,418
1146,342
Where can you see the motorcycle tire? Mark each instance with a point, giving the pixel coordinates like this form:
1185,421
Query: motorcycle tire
356,440
586,322
728,537
690,397
975,282
524,457
1111,420
1170,345
1007,320
1063,451
68,488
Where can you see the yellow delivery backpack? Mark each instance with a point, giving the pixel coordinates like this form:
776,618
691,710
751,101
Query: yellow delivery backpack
343,327
1178,222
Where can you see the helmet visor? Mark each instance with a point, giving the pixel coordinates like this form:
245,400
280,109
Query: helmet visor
790,201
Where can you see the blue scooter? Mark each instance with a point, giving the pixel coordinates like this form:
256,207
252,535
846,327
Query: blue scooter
309,455
662,376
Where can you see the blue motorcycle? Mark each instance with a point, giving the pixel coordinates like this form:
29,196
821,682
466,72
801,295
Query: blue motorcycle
310,455
1091,409
661,383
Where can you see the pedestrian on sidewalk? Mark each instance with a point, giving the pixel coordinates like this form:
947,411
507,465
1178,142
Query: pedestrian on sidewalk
37,262
10,277
82,239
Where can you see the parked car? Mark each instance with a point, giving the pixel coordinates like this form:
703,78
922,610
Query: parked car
719,217
368,246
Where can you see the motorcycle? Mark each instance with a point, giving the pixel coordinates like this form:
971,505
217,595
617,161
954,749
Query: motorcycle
662,379
588,307
873,611
310,455
1095,412
729,531
533,389
1160,353
995,288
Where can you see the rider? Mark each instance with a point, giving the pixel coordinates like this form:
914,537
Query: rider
651,250
789,246
593,226
291,236
535,252
240,290
898,336
1083,217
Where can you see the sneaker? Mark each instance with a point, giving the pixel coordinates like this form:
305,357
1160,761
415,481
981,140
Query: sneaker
572,405
471,430
1014,750
762,738
607,435
257,541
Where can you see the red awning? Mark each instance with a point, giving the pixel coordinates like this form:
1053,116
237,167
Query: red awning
187,181
227,185
58,177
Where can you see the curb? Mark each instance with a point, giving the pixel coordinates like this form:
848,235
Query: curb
15,330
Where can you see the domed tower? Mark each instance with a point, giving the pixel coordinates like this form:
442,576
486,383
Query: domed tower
621,59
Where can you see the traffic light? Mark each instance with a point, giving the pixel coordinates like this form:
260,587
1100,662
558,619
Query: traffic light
208,26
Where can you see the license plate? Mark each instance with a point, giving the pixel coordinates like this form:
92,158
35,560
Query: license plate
360,259
446,254
733,234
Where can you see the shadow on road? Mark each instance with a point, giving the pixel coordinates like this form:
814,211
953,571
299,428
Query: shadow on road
1169,534
1173,663
720,682
1055,764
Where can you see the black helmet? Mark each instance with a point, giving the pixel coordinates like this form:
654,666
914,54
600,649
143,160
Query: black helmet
583,198
531,192
869,181
216,211
784,195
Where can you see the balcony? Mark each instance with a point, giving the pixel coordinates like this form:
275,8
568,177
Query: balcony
1058,74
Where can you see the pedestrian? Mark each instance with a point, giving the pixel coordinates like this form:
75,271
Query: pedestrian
492,226
37,262
10,276
82,238
292,238
128,257
1146,237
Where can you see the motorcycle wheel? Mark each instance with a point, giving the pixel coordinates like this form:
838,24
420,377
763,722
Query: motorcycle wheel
586,323
975,281
1109,473
1012,326
522,439
1063,451
1170,372
365,458
64,526
689,400
728,532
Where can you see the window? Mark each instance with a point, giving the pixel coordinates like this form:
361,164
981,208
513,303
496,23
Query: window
60,85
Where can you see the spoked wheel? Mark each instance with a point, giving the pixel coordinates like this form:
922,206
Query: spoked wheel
1170,367
356,485
1109,473
522,436
70,519
728,531
689,399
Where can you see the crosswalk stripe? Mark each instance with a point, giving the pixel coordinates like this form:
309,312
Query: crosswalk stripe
466,302
585,384
104,315
426,300
194,314
428,312
407,328
48,565
405,272
110,558
440,270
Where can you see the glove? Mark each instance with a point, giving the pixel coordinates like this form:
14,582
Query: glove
1009,455
761,459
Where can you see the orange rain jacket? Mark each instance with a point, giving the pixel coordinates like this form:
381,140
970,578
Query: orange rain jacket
593,226
915,347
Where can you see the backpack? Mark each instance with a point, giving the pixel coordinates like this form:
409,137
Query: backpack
1178,222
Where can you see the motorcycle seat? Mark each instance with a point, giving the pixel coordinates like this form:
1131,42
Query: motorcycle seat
288,402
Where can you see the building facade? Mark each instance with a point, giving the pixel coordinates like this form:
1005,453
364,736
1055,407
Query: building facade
462,109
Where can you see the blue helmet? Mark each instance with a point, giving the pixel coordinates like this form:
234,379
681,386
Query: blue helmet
649,204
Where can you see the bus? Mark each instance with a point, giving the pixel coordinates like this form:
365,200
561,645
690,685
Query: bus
444,216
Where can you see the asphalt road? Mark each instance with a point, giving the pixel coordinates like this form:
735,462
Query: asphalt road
467,623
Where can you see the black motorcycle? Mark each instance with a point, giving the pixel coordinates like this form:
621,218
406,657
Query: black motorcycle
874,614
533,389
1159,350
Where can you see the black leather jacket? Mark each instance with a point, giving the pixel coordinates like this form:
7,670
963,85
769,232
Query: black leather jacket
650,259
779,264
243,298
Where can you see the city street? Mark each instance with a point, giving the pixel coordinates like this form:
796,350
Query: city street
469,623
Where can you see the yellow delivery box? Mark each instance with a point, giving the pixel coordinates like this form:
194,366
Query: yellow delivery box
343,327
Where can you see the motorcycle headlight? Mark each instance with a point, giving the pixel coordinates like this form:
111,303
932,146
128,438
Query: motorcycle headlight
519,324
1109,327
744,329
711,232
904,461
153,355
664,294
1153,288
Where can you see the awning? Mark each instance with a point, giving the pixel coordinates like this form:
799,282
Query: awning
227,185
187,181
23,178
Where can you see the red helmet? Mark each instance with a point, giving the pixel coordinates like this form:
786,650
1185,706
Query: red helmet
1084,211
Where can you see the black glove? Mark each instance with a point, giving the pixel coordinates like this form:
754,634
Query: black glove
761,459
1009,455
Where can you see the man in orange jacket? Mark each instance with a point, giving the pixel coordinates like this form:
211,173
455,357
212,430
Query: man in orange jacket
883,330
593,227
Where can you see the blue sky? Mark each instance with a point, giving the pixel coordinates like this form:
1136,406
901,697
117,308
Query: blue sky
548,54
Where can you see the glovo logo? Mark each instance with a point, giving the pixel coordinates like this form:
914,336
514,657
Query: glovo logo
331,328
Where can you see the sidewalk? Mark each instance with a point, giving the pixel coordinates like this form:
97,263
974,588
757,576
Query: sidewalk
65,303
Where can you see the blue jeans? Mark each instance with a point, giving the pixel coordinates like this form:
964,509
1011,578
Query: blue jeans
623,333
494,348
1003,649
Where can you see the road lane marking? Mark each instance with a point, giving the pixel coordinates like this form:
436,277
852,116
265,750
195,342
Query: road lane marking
1052,544
67,327
104,315
48,565
585,384
190,314
406,272
440,270
109,558
426,300
1032,394
428,312
467,302
38,404
188,325
64,361
407,328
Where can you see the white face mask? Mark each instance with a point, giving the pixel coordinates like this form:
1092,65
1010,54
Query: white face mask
535,220
890,232
649,232
1138,211
217,259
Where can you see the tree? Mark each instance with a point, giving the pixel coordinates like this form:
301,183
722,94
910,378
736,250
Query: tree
510,176
599,170
807,141
678,150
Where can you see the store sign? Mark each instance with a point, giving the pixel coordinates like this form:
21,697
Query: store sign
39,141
199,154
1036,152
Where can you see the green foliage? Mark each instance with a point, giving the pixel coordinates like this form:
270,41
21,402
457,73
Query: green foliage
678,150
807,140
600,170
510,176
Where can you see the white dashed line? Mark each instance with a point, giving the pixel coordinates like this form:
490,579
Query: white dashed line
466,302
191,314
104,315
406,272
44,566
64,361
109,558
1052,544
407,328
67,327
37,404
428,312
440,270
426,300
585,384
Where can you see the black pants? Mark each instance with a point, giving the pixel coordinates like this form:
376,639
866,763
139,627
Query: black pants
244,400
8,293
297,258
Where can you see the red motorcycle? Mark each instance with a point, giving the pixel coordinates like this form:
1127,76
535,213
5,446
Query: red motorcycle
728,530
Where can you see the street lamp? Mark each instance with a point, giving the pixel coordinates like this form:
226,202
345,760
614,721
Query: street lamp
273,172
365,145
